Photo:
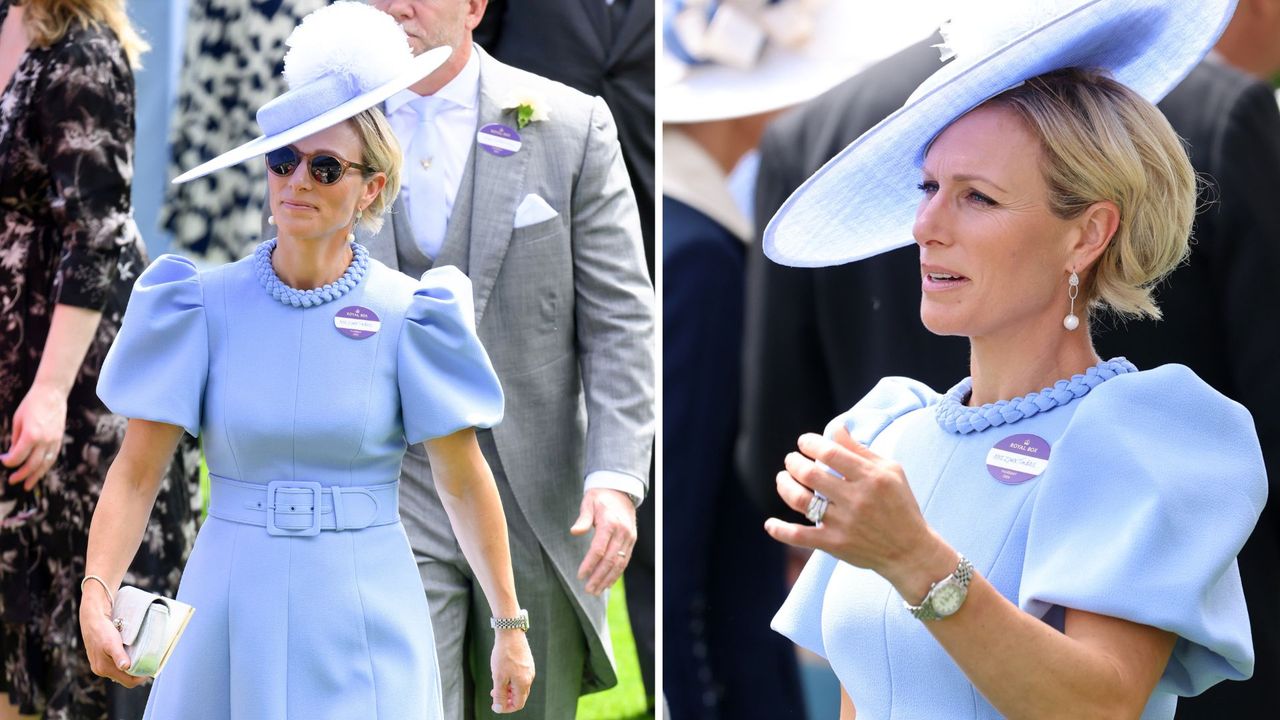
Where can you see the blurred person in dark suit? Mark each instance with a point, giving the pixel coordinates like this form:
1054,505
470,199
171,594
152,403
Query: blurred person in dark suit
1213,302
1232,125
723,578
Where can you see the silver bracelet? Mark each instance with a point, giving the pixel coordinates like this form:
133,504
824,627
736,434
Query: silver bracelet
101,582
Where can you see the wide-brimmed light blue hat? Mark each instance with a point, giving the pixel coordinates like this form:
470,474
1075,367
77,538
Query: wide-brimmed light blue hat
343,59
863,201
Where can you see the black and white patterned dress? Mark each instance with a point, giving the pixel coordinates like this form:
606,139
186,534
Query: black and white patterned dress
233,65
67,236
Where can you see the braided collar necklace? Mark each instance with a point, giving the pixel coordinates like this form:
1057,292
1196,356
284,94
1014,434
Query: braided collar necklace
277,289
954,416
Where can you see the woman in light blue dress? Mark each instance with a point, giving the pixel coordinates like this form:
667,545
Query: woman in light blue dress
1056,536
308,603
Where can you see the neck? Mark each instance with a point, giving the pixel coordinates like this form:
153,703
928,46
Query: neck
1017,362
443,75
726,141
307,264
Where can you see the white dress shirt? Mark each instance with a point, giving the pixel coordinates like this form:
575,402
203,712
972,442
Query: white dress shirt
456,127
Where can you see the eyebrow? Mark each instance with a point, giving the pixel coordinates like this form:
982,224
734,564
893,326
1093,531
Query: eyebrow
970,178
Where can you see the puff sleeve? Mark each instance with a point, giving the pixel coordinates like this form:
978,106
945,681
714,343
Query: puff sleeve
445,378
157,368
1152,490
800,617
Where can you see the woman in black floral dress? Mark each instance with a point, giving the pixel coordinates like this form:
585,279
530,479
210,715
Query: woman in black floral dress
69,253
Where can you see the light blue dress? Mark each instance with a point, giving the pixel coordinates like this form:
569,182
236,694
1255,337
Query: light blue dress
1118,492
310,624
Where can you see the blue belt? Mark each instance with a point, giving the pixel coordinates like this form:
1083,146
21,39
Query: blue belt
301,508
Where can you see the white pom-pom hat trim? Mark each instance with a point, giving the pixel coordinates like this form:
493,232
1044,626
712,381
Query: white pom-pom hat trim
862,202
343,59
319,46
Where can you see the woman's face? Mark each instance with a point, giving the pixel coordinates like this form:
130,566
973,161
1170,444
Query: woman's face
993,258
304,208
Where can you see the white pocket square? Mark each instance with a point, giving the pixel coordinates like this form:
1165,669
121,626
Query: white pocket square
533,210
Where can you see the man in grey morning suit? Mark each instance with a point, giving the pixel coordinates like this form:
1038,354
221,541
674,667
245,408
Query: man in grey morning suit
550,237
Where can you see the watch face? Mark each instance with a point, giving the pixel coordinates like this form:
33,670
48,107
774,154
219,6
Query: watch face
947,598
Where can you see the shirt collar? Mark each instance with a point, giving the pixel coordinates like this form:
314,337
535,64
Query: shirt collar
463,90
692,176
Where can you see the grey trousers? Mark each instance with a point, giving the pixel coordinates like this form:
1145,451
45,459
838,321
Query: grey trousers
460,613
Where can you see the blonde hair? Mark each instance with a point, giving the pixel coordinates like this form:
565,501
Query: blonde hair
47,22
382,153
1102,141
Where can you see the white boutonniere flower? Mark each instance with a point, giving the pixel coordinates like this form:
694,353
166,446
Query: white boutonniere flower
529,107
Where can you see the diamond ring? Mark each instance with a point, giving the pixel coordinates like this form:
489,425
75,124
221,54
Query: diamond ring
817,508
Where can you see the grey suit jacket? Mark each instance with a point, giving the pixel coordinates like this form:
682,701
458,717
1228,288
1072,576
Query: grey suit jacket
564,308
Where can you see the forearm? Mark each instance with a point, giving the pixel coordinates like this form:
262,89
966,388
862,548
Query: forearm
847,710
128,494
470,498
71,331
1027,669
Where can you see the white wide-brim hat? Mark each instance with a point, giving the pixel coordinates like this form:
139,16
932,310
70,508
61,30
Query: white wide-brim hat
846,36
863,201
343,59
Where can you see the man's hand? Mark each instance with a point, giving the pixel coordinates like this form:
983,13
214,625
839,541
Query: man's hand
613,515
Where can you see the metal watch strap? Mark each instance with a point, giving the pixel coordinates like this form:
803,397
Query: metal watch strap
961,576
519,622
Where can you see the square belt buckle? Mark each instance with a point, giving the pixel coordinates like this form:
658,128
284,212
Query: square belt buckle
276,485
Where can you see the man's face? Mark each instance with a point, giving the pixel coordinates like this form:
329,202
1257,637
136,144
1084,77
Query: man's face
434,23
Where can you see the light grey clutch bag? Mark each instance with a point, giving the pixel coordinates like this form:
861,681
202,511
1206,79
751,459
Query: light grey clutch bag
150,626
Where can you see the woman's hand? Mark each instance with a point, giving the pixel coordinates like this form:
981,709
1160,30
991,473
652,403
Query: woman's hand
38,427
512,666
872,518
102,643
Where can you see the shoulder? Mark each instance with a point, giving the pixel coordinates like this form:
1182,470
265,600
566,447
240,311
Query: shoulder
688,232
89,47
169,269
1168,430
1211,100
1172,393
890,399
568,107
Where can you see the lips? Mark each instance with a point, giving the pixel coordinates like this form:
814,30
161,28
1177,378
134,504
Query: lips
935,278
295,205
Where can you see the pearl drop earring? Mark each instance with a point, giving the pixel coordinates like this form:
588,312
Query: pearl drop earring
271,220
1071,322
351,236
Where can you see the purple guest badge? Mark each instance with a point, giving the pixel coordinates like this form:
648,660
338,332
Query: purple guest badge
1018,458
498,139
357,322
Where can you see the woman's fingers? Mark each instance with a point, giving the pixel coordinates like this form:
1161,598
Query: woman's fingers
510,691
47,457
795,495
805,536
843,460
813,475
110,660
842,438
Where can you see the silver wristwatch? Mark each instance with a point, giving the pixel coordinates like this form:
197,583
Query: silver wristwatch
519,622
945,596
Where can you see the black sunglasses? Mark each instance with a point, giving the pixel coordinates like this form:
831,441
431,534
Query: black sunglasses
325,168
